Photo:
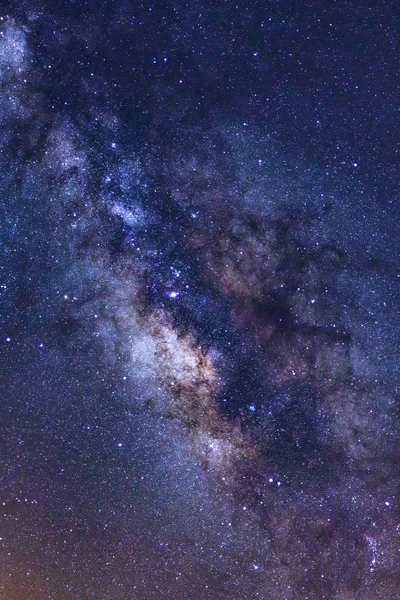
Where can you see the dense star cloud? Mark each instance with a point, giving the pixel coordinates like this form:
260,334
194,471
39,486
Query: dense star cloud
199,302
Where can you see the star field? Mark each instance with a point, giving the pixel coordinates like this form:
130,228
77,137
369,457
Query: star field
199,288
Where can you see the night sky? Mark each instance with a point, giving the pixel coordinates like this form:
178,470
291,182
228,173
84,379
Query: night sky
199,300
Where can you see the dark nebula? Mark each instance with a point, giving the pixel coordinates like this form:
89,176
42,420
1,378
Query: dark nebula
199,286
